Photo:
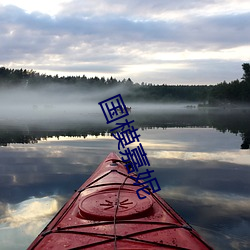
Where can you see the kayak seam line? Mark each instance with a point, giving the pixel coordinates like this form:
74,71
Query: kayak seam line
173,212
44,233
71,204
121,236
99,178
121,222
169,211
108,184
104,175
128,236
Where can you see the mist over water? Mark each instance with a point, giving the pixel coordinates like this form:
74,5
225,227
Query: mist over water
52,103
63,103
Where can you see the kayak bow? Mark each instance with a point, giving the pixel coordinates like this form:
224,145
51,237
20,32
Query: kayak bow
106,213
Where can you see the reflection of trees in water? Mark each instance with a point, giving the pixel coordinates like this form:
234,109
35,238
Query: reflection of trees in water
16,137
222,120
233,121
246,141
34,134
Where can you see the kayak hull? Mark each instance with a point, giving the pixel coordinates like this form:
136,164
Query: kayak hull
105,212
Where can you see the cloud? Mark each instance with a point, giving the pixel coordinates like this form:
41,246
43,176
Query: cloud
135,9
29,210
126,39
26,220
116,30
229,204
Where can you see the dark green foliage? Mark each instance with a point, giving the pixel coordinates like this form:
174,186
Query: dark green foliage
220,94
233,92
246,75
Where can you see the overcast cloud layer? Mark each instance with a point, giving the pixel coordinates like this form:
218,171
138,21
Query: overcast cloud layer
160,41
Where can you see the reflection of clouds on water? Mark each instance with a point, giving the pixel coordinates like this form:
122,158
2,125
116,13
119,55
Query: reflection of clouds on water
206,179
201,175
22,222
59,157
199,144
47,167
228,203
104,136
190,139
237,157
28,211
2,209
227,240
224,177
225,215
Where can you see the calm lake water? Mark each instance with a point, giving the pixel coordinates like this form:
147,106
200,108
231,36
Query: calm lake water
200,157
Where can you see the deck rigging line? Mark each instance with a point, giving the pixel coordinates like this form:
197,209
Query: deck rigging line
116,210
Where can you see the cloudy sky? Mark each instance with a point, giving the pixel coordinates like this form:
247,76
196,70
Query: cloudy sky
157,41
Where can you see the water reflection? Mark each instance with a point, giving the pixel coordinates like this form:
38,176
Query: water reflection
29,210
20,222
233,121
196,157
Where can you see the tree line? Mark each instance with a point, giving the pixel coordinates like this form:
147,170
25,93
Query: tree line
236,91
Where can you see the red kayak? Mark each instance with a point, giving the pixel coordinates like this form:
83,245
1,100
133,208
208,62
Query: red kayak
106,213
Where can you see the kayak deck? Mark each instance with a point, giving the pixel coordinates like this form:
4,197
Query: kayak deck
105,212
